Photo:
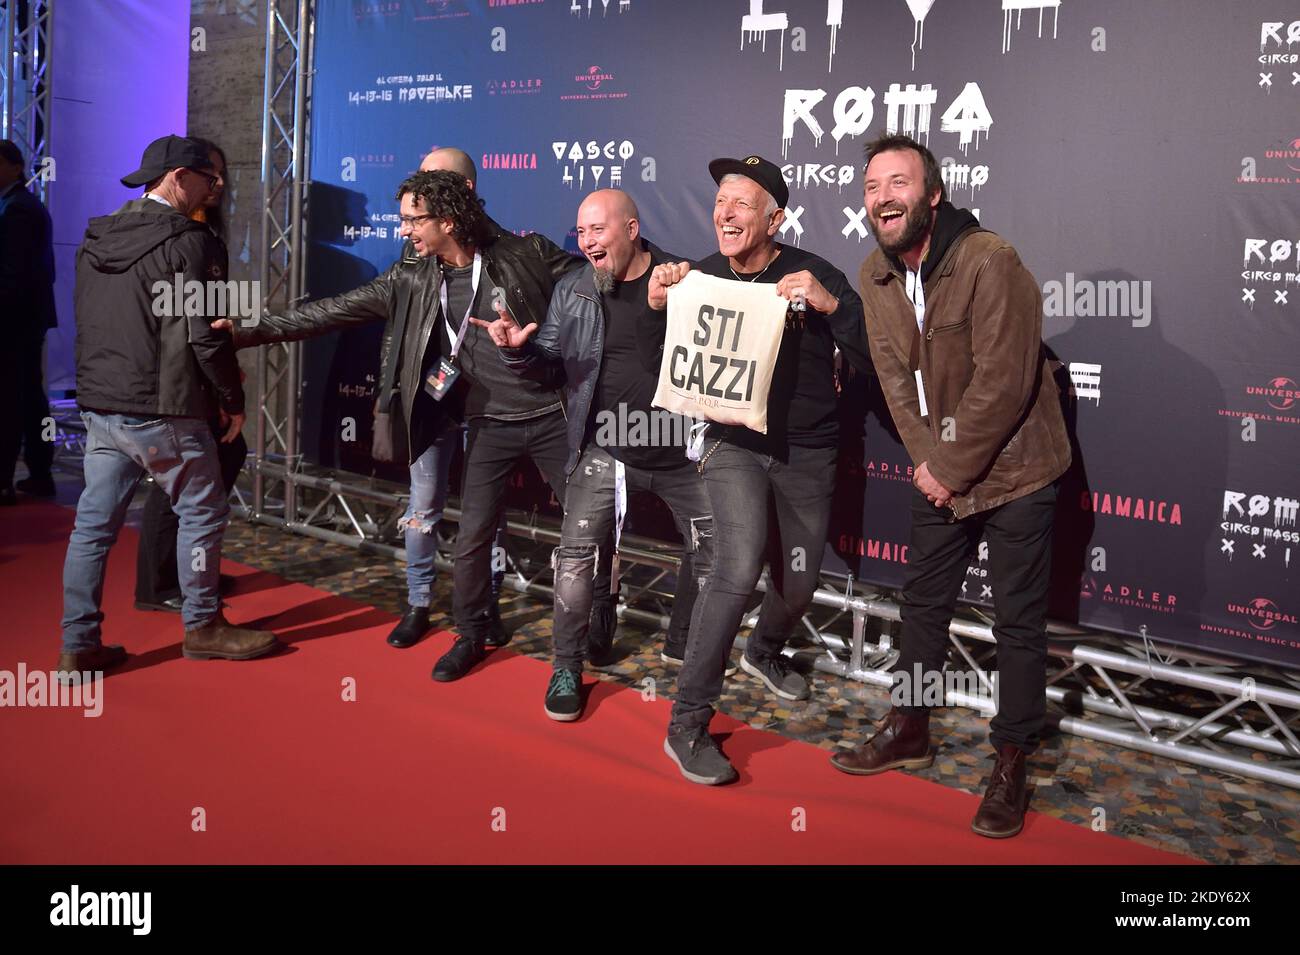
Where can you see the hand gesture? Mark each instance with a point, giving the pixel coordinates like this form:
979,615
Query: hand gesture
505,333
804,284
662,279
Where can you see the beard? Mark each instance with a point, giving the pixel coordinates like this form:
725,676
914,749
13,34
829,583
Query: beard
916,219
603,280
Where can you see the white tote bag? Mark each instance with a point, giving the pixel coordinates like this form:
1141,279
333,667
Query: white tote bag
719,350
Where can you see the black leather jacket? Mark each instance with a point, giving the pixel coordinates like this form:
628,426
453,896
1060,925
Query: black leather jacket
406,297
574,335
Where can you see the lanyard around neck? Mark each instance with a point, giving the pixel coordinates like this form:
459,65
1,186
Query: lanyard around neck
459,336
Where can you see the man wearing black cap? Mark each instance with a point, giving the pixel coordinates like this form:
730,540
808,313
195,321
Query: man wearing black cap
794,462
150,374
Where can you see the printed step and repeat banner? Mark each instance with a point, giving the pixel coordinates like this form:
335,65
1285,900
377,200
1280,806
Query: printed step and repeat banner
1144,158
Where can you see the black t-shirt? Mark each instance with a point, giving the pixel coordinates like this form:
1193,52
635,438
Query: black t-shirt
802,402
486,387
623,422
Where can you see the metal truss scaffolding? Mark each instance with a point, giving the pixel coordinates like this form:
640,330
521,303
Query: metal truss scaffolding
285,158
28,28
1222,715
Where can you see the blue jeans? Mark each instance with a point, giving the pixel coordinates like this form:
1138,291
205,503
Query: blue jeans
181,455
430,474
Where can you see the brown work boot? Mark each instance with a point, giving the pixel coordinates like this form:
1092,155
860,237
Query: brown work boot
101,658
902,742
220,640
1002,813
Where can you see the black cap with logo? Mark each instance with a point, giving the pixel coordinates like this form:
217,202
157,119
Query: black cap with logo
163,155
766,174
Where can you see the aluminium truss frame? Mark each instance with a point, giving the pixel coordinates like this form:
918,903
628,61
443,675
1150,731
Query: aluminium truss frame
26,95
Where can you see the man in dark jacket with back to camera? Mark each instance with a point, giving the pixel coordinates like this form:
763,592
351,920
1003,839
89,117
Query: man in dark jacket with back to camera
26,313
149,377
955,322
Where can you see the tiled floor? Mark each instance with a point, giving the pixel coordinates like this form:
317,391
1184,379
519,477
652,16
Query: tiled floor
1211,816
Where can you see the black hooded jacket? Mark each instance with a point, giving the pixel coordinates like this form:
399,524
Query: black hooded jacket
137,352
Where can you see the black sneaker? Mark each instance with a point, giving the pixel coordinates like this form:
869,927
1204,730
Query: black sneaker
676,655
779,678
564,696
413,625
463,656
697,755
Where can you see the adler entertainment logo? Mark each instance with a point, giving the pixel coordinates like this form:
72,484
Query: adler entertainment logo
362,9
440,9
1127,594
529,86
1131,508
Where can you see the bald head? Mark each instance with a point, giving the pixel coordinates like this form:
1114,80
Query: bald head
612,205
609,233
451,159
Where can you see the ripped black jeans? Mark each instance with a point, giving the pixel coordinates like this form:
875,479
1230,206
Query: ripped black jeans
588,521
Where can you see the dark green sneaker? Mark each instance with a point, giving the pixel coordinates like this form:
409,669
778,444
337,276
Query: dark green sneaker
564,696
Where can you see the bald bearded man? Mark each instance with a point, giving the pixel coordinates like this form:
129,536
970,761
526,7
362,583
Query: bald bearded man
610,343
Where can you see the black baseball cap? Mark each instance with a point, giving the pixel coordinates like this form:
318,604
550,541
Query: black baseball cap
766,174
163,155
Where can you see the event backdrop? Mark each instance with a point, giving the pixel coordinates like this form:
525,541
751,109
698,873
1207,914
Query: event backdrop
1142,157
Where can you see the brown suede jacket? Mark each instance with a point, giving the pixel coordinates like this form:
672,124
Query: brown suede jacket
994,431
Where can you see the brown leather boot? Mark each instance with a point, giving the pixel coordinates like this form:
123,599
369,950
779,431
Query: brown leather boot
101,658
219,640
902,742
1002,813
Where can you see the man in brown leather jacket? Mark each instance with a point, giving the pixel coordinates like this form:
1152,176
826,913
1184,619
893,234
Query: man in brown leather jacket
955,324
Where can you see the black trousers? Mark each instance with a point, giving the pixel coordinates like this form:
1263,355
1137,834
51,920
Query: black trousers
491,450
155,562
26,406
1019,536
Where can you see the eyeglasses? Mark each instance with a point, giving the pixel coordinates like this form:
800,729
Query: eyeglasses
413,220
212,180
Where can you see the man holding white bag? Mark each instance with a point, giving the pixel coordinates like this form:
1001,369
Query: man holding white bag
792,461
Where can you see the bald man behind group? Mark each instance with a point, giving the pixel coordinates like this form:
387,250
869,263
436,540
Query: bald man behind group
610,342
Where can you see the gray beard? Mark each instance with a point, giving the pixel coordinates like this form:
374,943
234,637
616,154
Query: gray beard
603,280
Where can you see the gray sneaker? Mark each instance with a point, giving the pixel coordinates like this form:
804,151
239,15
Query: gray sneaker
777,675
697,755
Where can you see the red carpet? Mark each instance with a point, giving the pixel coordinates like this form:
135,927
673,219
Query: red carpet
413,771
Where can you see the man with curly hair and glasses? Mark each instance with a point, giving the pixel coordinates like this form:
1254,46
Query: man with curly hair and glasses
438,368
